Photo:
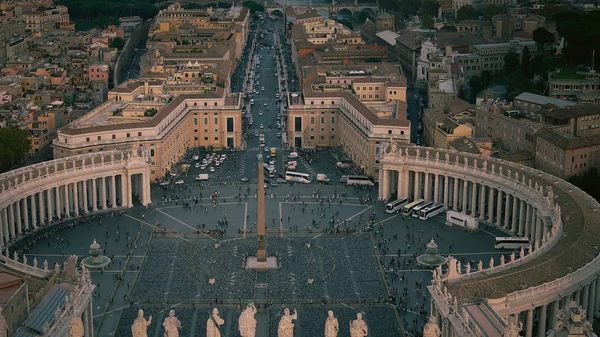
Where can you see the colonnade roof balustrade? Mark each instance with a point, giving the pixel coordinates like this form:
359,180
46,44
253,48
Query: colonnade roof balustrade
569,262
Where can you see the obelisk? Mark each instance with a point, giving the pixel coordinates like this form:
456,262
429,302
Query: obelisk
261,255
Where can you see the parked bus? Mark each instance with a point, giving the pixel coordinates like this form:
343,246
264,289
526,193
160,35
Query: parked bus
298,177
511,243
273,152
416,211
396,206
359,181
459,219
407,210
431,211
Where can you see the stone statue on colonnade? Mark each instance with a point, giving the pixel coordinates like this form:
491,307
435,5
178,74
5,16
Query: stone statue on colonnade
332,327
431,329
140,325
247,322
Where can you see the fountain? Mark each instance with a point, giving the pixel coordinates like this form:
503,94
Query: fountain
431,258
95,260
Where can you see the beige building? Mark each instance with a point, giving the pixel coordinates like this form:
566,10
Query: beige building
327,119
441,129
563,155
37,21
575,85
14,300
164,130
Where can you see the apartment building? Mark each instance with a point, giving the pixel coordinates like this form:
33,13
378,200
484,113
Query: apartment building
164,130
37,21
441,129
532,103
580,84
565,155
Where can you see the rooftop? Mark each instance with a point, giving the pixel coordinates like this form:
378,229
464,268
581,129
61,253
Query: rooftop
567,141
539,99
388,36
570,111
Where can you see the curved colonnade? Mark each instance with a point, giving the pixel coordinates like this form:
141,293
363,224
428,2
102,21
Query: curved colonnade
38,195
561,221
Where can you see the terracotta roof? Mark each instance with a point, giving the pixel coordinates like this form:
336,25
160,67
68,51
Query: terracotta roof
571,111
308,15
567,142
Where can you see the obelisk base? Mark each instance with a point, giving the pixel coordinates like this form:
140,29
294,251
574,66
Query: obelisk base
253,263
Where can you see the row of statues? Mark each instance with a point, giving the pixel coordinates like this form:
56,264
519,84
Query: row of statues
247,324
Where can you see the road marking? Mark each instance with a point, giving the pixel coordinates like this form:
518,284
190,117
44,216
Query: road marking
185,224
149,225
364,210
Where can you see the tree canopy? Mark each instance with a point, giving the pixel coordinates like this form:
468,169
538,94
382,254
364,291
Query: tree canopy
582,35
589,182
253,6
430,7
118,43
511,62
493,9
543,37
466,12
86,12
428,21
14,147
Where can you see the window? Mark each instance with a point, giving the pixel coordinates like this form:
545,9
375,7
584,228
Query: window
205,138
195,121
322,129
114,136
205,121
216,121
87,139
332,119
151,152
128,135
312,120
205,104
297,123
322,120
216,138
230,124
389,132
99,138
139,134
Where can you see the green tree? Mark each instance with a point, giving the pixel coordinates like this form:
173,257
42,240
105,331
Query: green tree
493,9
511,63
277,13
428,22
430,7
14,147
253,6
543,37
410,7
526,63
389,4
118,43
466,12
399,21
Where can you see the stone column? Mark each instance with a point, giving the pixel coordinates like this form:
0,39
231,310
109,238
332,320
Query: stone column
406,183
427,186
464,196
11,220
592,300
94,196
436,189
103,192
385,183
2,225
482,203
76,197
85,196
67,200
513,225
585,297
499,209
507,210
473,199
42,210
34,212
529,327
86,323
113,191
418,189
528,221
454,194
25,213
491,205
597,299
18,214
542,321
5,226
522,217
446,182
554,313
400,187
49,200
124,190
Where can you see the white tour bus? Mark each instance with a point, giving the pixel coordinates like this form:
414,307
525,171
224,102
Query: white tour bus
298,177
459,219
359,181
511,243
417,210
270,171
396,206
431,211
408,209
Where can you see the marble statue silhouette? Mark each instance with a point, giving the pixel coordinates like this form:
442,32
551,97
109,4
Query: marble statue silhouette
172,325
75,327
213,323
3,325
431,329
140,325
247,322
286,327
358,327
331,325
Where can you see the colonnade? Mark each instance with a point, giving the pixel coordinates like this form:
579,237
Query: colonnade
522,202
69,187
485,200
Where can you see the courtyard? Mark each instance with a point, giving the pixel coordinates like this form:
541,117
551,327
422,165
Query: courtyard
337,248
